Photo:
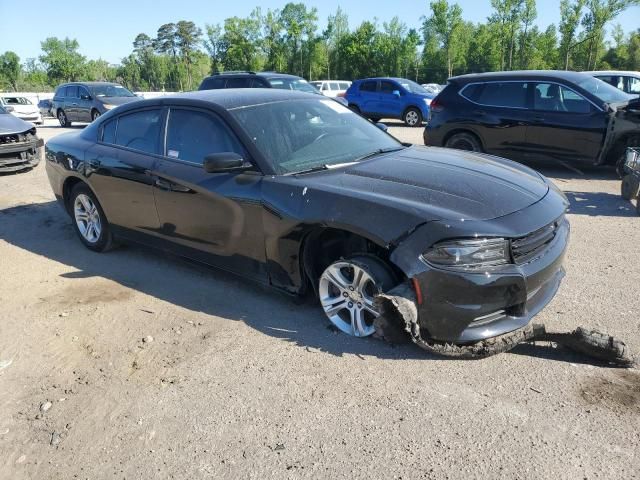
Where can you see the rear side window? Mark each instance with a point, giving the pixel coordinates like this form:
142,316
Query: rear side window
388,87
192,135
344,85
238,82
72,91
109,131
140,131
498,94
212,83
369,86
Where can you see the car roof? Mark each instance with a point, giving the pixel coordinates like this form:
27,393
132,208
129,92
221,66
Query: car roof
253,74
613,72
397,79
91,84
227,98
521,74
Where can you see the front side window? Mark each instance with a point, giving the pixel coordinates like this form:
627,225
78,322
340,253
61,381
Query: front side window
552,97
603,90
192,135
413,87
633,85
83,92
140,131
388,87
72,91
299,135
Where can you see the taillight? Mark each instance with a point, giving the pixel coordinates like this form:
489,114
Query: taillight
436,105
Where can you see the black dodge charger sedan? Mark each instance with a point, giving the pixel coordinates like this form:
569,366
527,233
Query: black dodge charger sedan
298,192
536,115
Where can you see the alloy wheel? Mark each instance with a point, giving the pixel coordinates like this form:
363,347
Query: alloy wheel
412,118
62,118
87,218
346,295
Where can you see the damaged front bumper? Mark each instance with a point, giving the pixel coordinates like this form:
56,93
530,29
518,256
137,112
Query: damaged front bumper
464,307
20,151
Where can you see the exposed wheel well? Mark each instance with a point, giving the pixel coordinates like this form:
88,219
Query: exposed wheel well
620,146
461,130
322,246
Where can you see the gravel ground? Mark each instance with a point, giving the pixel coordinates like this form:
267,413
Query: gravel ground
133,364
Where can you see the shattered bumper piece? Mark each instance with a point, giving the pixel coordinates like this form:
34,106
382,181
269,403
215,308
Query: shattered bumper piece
399,316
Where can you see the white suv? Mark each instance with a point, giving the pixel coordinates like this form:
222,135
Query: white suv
331,88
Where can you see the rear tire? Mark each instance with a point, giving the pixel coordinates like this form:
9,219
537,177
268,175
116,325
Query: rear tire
374,119
63,119
412,117
629,187
464,141
89,220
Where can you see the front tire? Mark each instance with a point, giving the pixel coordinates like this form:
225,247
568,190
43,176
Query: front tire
94,115
347,288
89,220
412,117
464,141
63,119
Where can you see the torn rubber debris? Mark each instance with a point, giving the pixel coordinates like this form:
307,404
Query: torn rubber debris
399,317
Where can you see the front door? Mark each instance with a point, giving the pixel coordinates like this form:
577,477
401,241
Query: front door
390,104
212,217
564,125
71,103
84,105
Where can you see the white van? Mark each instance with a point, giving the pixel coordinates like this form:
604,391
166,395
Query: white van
331,88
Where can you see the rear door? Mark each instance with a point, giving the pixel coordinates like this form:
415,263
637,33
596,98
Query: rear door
212,217
564,125
120,165
501,115
369,96
71,103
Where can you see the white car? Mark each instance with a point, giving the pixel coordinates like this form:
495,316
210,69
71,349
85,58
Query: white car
331,88
628,82
22,108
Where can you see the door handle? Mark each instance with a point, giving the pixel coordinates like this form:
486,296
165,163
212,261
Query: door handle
74,104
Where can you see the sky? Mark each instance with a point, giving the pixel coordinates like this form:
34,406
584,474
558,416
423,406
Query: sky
106,29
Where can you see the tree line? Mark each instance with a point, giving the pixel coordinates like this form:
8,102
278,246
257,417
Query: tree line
290,40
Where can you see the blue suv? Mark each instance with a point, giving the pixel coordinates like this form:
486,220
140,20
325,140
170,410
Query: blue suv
400,98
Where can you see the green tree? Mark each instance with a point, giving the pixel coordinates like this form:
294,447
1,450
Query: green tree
215,46
507,18
444,23
188,39
10,69
62,60
337,29
528,16
242,41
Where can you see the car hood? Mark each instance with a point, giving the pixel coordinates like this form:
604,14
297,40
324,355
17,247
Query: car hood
118,100
12,124
437,183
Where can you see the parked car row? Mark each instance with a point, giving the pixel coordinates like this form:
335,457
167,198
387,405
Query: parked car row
533,115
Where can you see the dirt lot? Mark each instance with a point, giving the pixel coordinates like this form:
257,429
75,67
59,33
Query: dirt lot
137,365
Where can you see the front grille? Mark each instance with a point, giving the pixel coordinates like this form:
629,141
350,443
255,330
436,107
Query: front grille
12,138
525,248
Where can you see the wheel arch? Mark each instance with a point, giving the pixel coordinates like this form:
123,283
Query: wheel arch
68,186
469,131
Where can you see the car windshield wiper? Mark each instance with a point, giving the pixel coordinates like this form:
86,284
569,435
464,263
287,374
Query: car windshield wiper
379,151
325,166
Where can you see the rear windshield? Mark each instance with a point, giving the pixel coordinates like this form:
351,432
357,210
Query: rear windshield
17,101
603,90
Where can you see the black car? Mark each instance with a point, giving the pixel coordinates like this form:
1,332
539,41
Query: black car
300,193
248,79
20,147
533,115
86,101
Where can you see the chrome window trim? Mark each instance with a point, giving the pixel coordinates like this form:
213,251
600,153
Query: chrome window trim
460,92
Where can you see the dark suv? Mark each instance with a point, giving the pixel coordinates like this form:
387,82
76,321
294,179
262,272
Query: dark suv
246,79
531,115
86,101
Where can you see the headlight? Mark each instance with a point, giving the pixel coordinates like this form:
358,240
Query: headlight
108,106
469,254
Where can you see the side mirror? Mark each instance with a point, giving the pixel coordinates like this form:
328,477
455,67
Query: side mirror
85,97
382,126
396,93
223,162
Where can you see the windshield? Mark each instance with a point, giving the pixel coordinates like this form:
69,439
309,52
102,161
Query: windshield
299,84
17,101
413,87
603,90
299,135
111,91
